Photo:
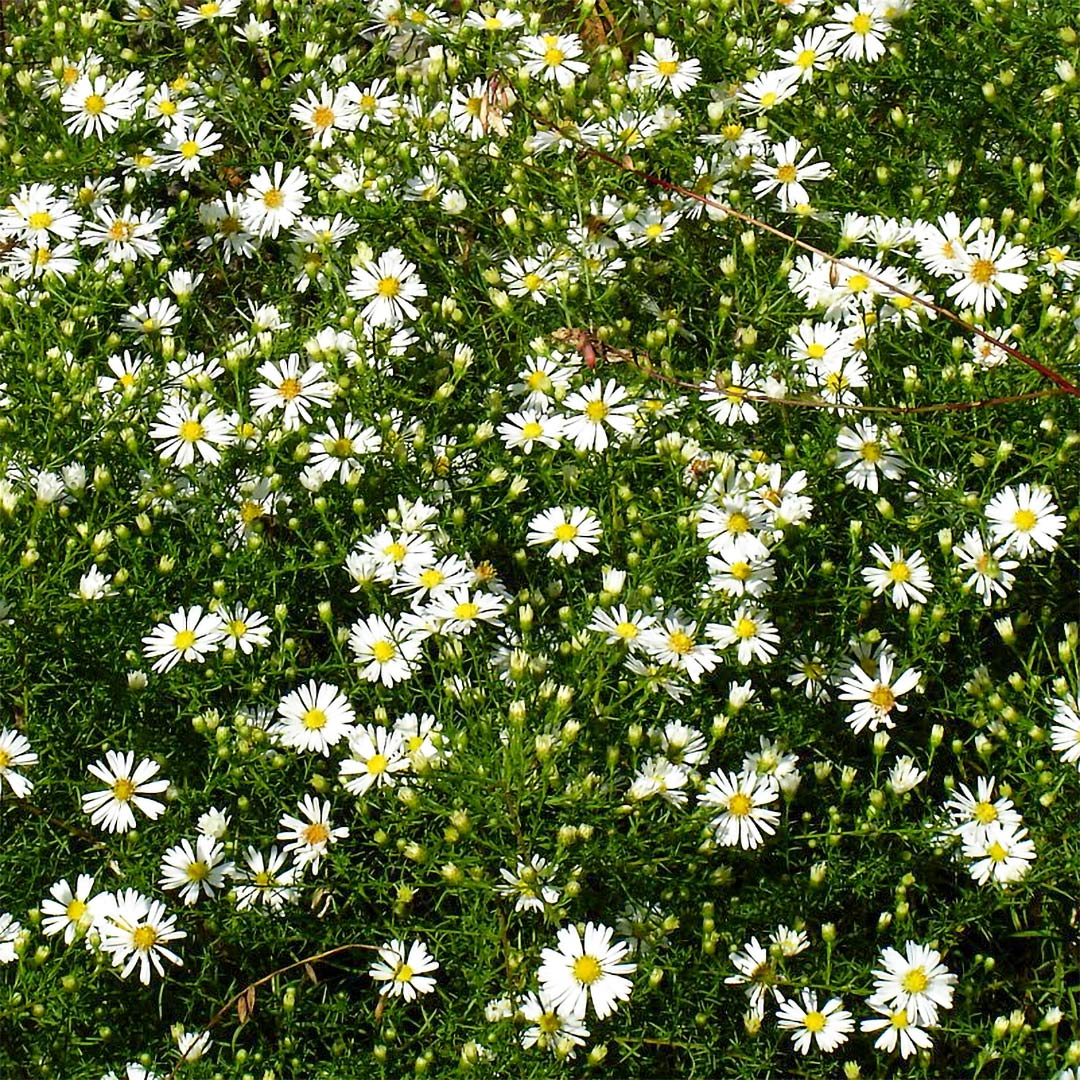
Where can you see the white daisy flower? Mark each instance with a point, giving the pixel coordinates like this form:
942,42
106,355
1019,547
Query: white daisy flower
876,695
568,532
314,718
187,635
1024,518
194,872
15,754
376,756
127,785
134,932
404,973
586,968
743,799
390,286
310,836
826,1027
914,980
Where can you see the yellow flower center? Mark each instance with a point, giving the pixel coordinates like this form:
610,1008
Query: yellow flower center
322,117
596,411
667,68
815,350
466,610
144,938
982,271
836,381
94,104
871,452
209,10
432,579
626,630
680,642
786,174
899,571
273,199
899,1019
554,57
316,833
388,287
383,651
738,522
40,219
237,628
184,640
189,148
814,1021
397,551
120,230
262,879
732,132
739,804
41,256
548,1023
404,973
290,388
197,871
805,59
984,812
314,719
915,981
745,628
1025,520
654,230
565,532
376,764
75,910
587,969
881,697
741,571
123,789
533,282
861,23
532,430
768,99
167,107
996,853
857,282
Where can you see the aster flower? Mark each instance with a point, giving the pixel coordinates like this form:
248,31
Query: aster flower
568,532
134,933
743,799
661,69
987,268
196,871
273,201
876,695
10,931
314,718
586,968
376,756
865,451
15,754
826,1027
552,58
528,884
897,1029
914,980
589,414
187,635
906,576
988,568
390,286
266,880
787,173
292,390
311,835
1024,518
1065,733
127,785
387,653
551,1027
999,853
183,430
404,972
72,912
